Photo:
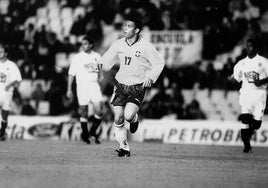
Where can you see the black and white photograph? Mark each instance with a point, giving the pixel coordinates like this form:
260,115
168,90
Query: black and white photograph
133,93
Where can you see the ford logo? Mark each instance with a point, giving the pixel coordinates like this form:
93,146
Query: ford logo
44,130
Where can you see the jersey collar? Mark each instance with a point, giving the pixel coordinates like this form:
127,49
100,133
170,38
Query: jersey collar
137,40
257,55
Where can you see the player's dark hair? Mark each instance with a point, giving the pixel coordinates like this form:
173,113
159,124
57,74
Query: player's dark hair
136,19
4,46
252,41
89,39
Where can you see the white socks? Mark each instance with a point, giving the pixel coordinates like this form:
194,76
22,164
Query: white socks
121,136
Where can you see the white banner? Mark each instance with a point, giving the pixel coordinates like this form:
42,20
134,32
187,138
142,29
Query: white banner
50,128
165,131
197,132
178,47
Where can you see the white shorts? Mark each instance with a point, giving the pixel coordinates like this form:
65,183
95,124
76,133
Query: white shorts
5,100
253,102
89,93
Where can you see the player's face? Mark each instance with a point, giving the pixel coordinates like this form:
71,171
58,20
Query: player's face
86,46
251,48
129,29
2,53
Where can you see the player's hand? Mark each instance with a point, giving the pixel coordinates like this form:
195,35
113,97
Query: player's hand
7,88
147,82
99,66
231,79
101,78
258,83
69,95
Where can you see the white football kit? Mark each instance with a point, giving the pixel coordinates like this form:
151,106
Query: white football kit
84,67
252,99
9,73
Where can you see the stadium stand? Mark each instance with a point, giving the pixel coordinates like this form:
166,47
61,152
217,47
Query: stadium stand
46,49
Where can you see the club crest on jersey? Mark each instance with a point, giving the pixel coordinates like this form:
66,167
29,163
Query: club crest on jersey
137,53
251,76
3,77
91,67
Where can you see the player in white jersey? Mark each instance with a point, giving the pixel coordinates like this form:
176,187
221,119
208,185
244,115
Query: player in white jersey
252,71
84,68
9,78
140,67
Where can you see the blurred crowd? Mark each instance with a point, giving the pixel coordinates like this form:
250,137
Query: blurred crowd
37,31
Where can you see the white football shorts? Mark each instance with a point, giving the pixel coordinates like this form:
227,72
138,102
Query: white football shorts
253,102
5,100
89,93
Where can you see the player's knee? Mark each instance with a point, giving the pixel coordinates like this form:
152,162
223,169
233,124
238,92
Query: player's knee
129,116
246,118
83,112
98,114
4,115
256,124
118,120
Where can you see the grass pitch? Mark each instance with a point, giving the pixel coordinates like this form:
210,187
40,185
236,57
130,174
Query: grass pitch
34,164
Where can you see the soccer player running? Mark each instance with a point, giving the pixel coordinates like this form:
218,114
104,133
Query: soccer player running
84,68
9,78
252,71
140,66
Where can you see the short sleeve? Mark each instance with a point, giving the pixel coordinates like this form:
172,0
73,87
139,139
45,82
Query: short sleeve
16,75
237,74
265,67
73,68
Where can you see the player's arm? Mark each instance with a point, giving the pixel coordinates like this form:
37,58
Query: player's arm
237,73
16,77
259,82
108,59
69,93
157,65
71,74
12,85
99,68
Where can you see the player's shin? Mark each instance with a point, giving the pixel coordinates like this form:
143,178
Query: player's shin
84,127
3,129
96,121
246,136
121,136
134,123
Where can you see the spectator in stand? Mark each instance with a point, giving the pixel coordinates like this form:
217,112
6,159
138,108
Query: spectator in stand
193,111
38,95
27,71
156,108
55,98
226,75
78,27
29,34
67,46
177,101
16,105
211,76
27,108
